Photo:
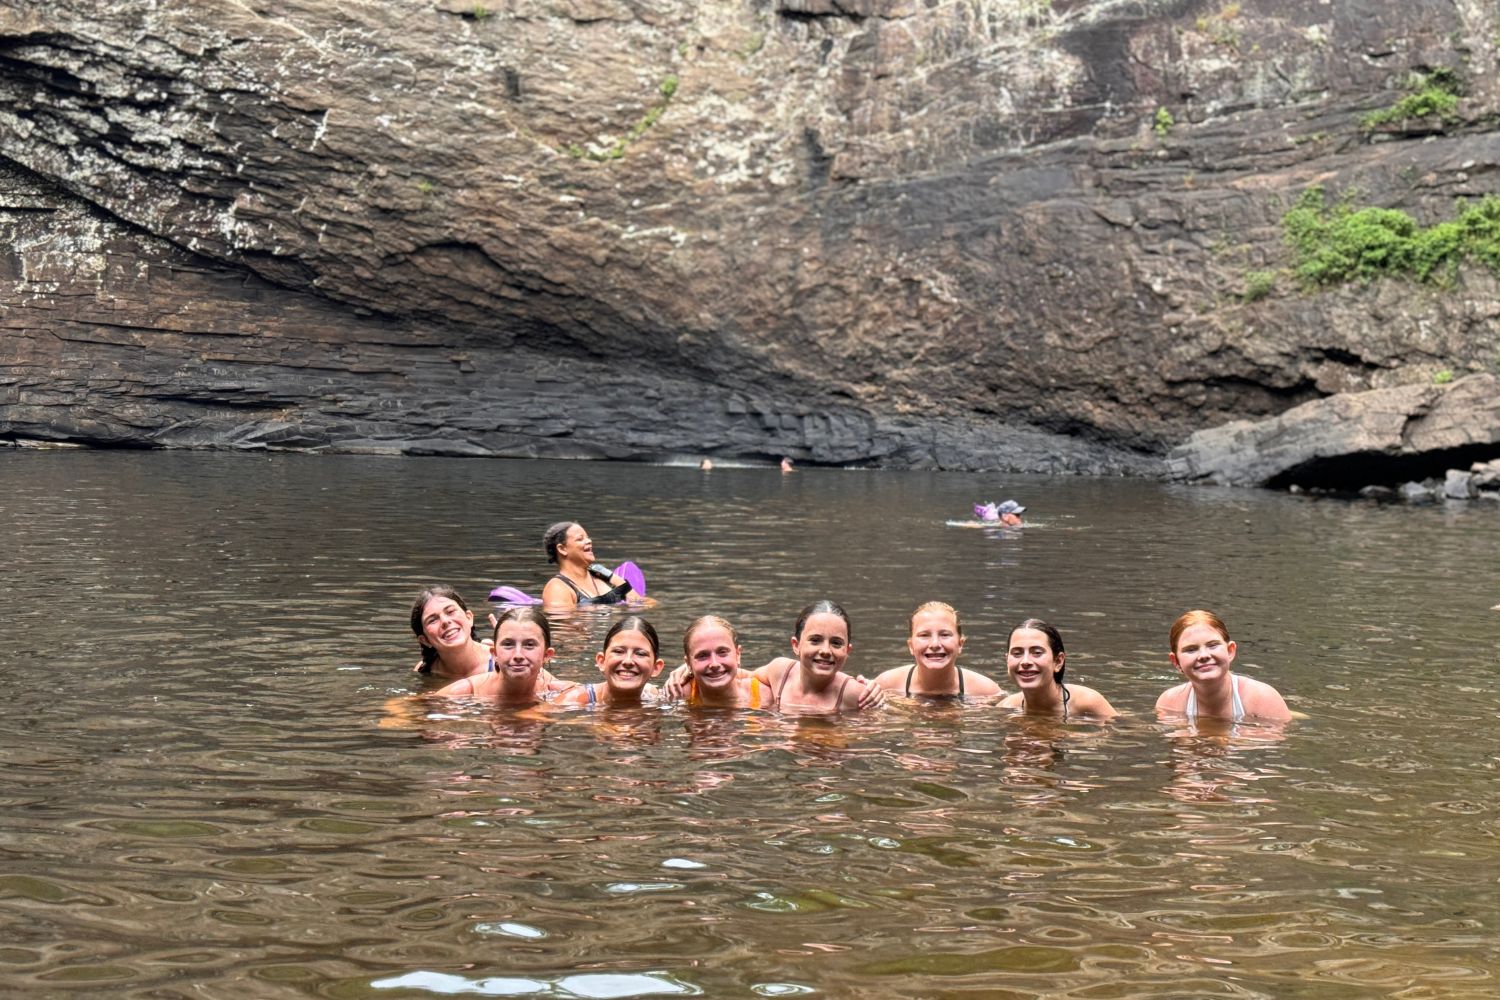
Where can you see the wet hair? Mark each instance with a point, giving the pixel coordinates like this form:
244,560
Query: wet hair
821,608
947,609
634,623
555,536
687,637
1197,617
1054,642
430,655
526,613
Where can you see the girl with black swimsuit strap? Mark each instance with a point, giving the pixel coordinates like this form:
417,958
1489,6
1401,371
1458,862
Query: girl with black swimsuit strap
1036,661
935,640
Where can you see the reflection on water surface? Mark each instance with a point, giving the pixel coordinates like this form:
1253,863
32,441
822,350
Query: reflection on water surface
205,792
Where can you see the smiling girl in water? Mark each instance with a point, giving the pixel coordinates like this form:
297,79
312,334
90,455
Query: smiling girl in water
1036,662
815,682
712,648
444,627
630,657
936,639
523,645
1202,653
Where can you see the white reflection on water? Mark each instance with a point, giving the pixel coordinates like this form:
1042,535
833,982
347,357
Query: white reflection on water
595,986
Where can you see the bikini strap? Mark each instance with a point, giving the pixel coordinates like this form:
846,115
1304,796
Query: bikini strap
960,682
785,676
754,691
838,701
914,670
592,698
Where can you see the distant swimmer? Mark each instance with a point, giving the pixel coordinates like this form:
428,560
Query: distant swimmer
1007,512
523,647
1202,653
629,658
786,465
936,638
444,627
580,580
1036,661
706,465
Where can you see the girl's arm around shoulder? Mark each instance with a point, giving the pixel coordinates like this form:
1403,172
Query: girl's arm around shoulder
462,688
773,672
867,694
674,687
569,695
553,684
859,694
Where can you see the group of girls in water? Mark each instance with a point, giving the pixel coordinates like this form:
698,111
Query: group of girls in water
513,669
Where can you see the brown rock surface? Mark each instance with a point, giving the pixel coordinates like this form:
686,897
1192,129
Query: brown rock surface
1430,427
848,230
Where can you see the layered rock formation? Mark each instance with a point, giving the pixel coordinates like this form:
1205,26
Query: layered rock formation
1403,432
992,233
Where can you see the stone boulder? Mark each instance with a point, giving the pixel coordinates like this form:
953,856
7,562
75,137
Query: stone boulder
1486,475
1351,439
1459,485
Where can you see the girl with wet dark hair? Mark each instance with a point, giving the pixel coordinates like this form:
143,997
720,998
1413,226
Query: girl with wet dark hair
629,657
1036,662
814,682
444,627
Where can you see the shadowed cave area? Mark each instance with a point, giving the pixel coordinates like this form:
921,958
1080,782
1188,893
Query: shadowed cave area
1351,473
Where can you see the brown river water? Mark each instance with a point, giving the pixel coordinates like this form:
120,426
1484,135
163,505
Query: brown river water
215,781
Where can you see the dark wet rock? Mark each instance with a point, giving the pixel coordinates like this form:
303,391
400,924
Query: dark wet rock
852,231
1379,435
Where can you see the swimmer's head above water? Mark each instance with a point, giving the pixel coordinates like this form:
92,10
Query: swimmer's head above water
1006,512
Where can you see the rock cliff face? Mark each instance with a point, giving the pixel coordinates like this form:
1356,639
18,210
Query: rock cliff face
985,233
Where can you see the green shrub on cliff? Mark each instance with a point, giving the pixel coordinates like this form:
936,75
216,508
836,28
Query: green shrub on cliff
1342,243
1432,94
1258,285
